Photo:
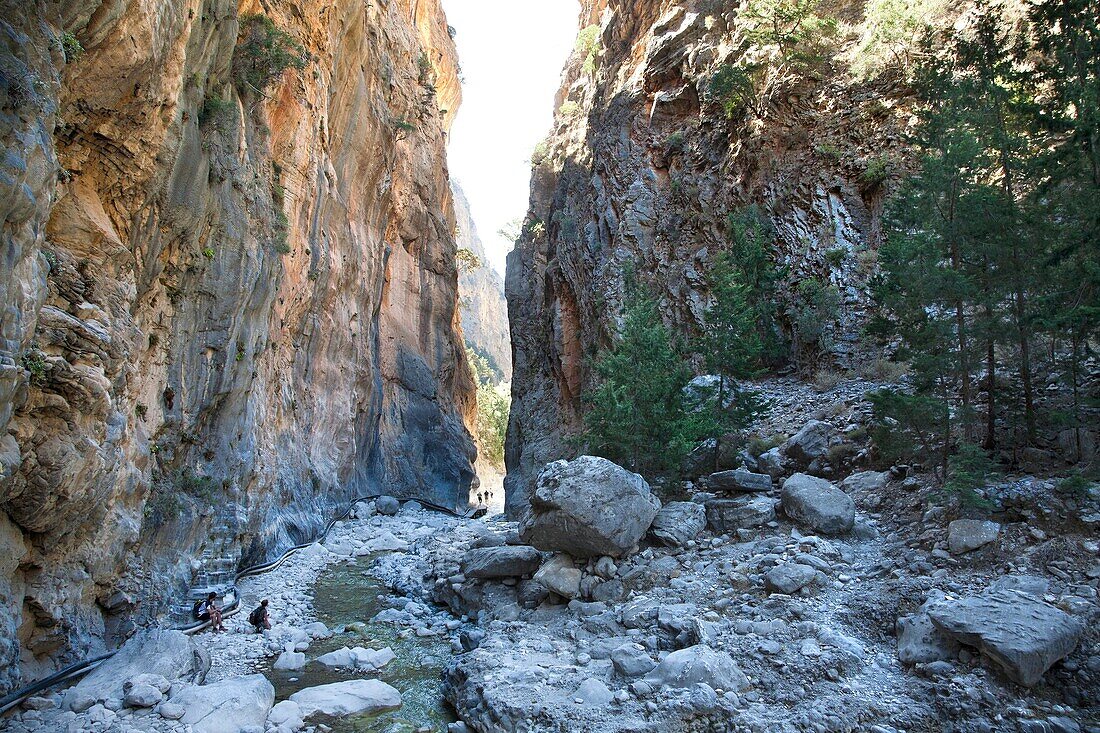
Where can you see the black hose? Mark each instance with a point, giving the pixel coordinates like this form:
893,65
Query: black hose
82,668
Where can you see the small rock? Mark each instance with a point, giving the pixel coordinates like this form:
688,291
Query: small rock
593,693
789,577
631,660
143,696
387,505
171,711
739,480
560,576
964,535
679,522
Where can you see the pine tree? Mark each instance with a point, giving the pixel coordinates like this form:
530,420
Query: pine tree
636,415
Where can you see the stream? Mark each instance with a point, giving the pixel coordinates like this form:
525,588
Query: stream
346,597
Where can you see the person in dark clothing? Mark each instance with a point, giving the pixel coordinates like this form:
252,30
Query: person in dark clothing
208,610
259,618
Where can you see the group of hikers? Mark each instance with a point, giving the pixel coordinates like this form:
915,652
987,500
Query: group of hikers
208,610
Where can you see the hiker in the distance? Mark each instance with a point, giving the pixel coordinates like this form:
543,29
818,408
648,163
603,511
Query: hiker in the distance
207,610
259,618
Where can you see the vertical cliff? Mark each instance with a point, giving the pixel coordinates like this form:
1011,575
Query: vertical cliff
483,308
643,165
227,306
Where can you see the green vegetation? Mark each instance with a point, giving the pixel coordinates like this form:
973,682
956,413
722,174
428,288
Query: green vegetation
208,252
466,260
891,28
263,53
588,47
71,47
540,154
34,362
424,67
991,264
640,415
493,405
750,235
812,314
217,113
830,151
802,38
733,87
675,143
569,108
876,172
836,256
281,233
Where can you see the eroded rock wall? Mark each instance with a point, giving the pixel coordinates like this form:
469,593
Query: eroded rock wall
641,169
224,311
483,308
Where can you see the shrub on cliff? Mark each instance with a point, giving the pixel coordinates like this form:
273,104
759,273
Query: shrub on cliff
264,52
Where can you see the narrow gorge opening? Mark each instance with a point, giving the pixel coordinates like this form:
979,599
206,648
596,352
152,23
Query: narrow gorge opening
739,375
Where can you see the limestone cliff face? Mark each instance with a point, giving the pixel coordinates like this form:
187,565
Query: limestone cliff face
642,168
224,312
483,308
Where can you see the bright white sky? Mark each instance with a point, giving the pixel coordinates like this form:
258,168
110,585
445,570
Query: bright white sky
512,53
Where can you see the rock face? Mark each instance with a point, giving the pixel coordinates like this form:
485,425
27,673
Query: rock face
213,298
589,507
818,504
483,308
639,173
1022,634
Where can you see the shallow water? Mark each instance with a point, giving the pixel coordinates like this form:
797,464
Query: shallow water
348,594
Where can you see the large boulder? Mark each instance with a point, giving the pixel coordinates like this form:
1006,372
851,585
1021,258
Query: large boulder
678,522
173,655
589,507
387,505
739,480
730,515
817,503
357,658
699,663
964,535
809,444
1021,633
228,706
507,561
353,697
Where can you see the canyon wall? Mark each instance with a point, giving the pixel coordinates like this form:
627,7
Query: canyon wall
640,171
226,308
483,309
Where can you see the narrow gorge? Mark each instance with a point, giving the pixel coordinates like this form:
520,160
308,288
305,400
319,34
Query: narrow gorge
783,417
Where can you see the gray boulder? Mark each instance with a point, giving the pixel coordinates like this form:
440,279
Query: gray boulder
809,444
631,660
506,561
678,522
730,515
142,696
964,535
790,577
739,480
817,503
593,693
171,654
699,663
870,482
353,697
228,706
387,505
559,575
589,507
1022,634
771,463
